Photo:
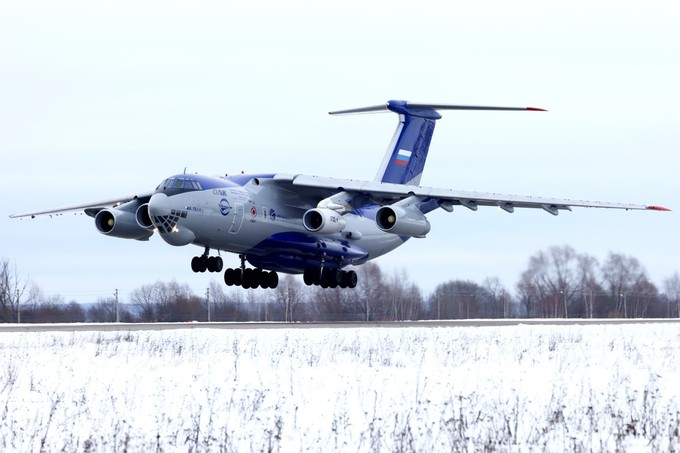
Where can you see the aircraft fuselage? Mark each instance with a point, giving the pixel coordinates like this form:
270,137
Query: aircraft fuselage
249,216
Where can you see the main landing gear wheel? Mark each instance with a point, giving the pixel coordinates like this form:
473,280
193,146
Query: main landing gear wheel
251,278
330,278
207,263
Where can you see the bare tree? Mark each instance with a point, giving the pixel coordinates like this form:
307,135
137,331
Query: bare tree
105,311
500,299
53,309
644,299
164,302
627,281
327,304
222,307
588,282
14,292
288,295
404,298
331,304
369,294
550,283
459,299
671,287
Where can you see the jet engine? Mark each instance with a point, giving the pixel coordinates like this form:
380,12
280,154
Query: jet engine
402,221
322,220
120,222
143,218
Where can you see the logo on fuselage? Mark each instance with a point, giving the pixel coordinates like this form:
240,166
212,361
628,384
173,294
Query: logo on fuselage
225,207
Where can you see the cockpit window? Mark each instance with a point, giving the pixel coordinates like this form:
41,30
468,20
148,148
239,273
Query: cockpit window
176,185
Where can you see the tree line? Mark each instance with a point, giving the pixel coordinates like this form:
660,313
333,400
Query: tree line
557,283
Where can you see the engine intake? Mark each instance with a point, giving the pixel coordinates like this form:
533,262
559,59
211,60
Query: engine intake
120,223
402,221
321,220
143,218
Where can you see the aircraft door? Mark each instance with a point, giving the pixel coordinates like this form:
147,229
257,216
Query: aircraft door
238,218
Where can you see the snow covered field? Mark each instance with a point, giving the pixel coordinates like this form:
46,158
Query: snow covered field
557,388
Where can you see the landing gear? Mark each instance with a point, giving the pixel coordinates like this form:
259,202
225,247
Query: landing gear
330,278
325,276
207,263
251,278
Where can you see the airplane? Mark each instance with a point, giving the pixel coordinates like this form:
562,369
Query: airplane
309,225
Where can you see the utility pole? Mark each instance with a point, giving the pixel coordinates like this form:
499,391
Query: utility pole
625,308
18,308
115,295
207,300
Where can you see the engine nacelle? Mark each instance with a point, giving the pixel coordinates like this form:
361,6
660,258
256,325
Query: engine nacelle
402,221
120,223
143,218
321,220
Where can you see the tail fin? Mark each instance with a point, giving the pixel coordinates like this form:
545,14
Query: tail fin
405,158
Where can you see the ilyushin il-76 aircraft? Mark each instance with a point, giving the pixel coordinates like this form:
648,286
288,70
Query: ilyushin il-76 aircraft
310,225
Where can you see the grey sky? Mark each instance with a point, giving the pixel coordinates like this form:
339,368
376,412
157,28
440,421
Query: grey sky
99,100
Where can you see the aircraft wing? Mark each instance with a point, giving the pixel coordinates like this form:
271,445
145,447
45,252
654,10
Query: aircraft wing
386,193
91,209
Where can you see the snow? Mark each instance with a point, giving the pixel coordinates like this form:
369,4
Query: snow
510,388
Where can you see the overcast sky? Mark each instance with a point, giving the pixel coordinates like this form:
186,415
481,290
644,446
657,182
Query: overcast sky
101,99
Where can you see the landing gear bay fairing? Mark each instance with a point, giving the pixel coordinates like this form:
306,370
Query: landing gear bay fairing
307,225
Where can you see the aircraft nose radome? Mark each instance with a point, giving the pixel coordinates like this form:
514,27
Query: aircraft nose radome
158,205
166,219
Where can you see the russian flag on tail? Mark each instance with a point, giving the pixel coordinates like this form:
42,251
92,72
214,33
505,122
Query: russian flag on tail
403,157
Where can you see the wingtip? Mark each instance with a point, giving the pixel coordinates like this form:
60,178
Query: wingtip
657,208
536,109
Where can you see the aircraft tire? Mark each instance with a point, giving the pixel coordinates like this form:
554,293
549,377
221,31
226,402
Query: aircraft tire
215,264
310,277
273,280
249,279
259,279
349,279
229,277
195,264
343,280
331,277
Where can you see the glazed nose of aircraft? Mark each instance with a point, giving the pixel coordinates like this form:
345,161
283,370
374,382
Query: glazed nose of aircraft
167,220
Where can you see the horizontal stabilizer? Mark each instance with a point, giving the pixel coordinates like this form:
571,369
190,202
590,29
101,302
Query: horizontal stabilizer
420,106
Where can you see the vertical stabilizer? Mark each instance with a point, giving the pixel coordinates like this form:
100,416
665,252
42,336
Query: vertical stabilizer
405,158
